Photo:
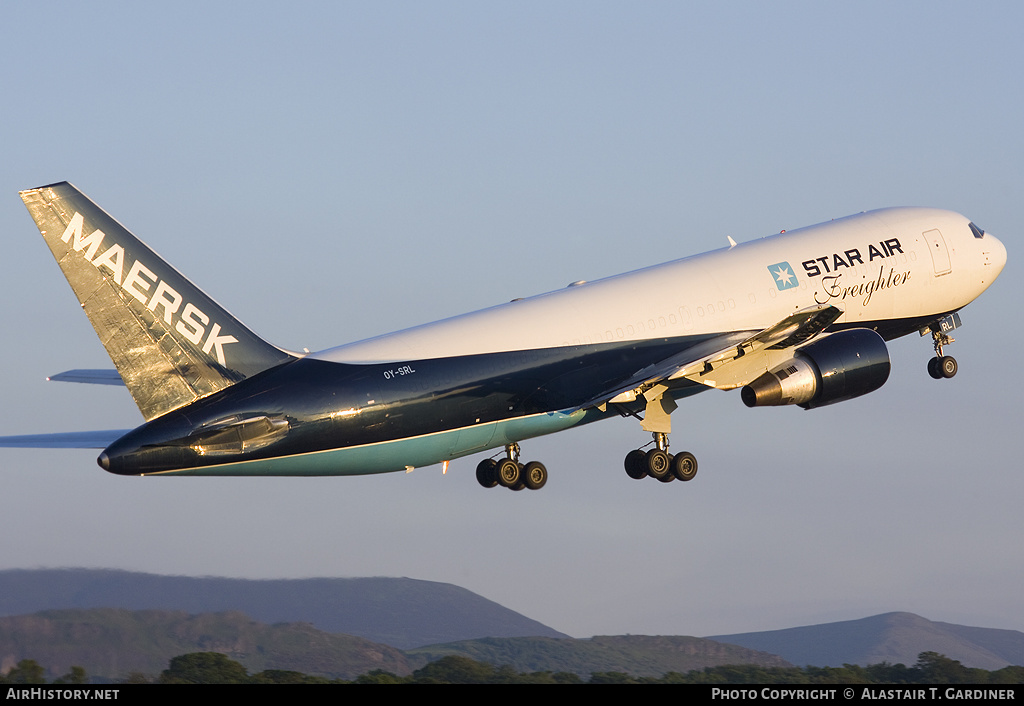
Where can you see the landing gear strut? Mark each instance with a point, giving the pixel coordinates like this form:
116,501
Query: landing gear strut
943,366
508,472
658,463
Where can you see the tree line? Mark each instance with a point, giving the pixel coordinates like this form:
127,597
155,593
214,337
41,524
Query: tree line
216,668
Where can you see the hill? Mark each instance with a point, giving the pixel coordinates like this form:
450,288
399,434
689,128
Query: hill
890,637
639,655
111,643
428,619
400,612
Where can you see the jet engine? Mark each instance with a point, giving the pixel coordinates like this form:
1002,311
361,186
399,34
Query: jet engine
838,367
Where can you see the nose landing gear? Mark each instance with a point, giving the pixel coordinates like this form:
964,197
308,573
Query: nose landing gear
943,366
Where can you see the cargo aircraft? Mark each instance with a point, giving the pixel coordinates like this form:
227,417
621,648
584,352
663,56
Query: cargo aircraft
799,318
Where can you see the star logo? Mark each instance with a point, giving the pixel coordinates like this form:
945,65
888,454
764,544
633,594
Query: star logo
783,275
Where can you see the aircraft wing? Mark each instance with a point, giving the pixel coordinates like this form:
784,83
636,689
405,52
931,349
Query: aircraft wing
64,440
735,367
727,361
93,377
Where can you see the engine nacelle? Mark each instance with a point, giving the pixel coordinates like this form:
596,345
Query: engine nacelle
838,367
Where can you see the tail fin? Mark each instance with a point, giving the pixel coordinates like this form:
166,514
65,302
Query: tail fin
169,341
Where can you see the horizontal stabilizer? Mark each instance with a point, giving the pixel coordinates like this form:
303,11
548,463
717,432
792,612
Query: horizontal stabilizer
91,377
64,440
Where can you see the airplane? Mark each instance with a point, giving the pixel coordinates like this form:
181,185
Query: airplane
798,318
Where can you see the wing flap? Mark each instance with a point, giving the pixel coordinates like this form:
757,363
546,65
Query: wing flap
727,361
735,367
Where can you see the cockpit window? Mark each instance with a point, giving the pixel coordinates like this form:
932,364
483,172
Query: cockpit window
978,232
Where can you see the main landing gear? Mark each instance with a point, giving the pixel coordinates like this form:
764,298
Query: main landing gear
509,473
943,366
659,464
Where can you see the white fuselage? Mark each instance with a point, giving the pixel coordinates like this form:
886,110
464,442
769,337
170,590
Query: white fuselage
876,267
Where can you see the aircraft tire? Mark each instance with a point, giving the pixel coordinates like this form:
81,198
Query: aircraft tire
684,466
947,366
535,475
657,464
508,472
486,474
933,368
636,464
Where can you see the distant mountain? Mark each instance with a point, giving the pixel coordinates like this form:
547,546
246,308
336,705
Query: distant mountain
891,637
444,619
111,643
400,612
639,655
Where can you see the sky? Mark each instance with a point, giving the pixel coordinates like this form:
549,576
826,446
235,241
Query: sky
337,170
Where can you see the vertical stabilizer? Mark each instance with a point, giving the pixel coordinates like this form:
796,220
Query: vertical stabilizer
169,341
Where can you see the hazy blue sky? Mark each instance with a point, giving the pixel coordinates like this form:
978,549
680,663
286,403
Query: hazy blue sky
331,171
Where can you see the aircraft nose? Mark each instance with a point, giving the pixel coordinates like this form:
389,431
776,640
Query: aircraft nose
995,254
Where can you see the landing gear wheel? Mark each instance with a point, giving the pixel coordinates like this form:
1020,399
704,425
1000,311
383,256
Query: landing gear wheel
636,464
933,368
658,465
486,473
668,477
684,466
947,366
535,475
509,473
519,486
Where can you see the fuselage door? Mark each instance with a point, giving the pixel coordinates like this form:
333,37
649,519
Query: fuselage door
940,254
